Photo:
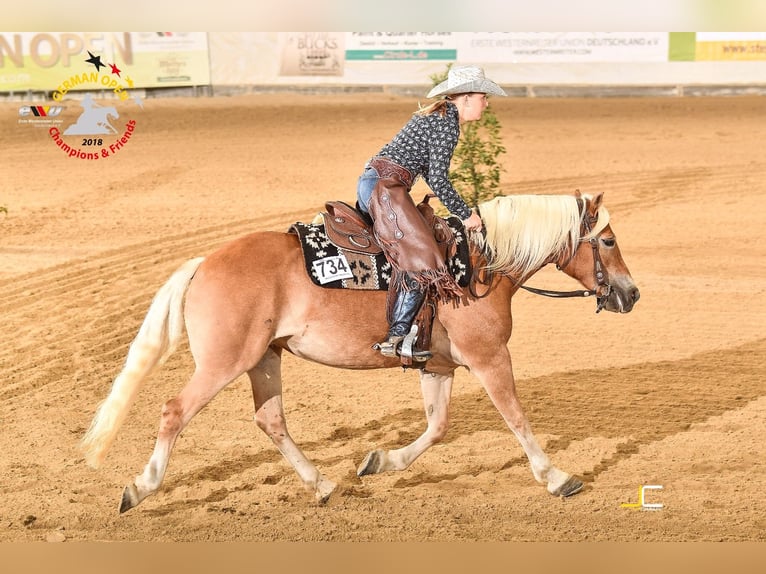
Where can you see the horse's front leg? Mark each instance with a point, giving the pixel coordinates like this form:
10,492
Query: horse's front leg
436,390
497,378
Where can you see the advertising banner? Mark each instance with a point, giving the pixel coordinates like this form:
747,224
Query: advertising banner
39,60
730,46
170,59
402,46
717,46
312,53
542,47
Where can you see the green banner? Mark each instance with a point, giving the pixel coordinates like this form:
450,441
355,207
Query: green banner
404,55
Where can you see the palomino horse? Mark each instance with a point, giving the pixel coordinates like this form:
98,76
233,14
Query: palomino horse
252,300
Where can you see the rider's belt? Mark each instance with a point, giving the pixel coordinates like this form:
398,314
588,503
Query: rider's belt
387,168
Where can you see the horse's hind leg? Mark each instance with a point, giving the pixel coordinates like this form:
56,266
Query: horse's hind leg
176,414
266,381
436,390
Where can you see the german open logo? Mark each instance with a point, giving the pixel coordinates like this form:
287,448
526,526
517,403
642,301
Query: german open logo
99,130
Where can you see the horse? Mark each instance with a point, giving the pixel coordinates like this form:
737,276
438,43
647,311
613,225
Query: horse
252,300
94,120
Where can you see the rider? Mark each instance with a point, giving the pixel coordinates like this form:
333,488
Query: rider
423,147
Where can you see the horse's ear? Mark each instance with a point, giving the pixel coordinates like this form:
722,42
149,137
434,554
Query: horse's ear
596,203
577,194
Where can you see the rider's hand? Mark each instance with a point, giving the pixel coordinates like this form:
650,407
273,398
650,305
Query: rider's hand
473,223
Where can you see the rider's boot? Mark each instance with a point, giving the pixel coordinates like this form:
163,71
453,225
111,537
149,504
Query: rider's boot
406,307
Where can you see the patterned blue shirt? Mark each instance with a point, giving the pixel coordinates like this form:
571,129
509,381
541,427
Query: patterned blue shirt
425,146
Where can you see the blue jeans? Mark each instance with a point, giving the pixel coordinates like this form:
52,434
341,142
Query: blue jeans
364,188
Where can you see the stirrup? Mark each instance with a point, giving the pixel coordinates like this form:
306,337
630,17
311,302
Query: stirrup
408,349
398,345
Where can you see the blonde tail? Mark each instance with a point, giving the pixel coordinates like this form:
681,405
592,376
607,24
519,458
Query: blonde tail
156,340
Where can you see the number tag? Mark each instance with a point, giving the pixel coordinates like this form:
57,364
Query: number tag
332,269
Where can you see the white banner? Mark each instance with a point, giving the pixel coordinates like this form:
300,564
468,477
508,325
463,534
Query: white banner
541,47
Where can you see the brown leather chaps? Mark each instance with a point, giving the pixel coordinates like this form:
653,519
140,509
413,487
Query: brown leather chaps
406,239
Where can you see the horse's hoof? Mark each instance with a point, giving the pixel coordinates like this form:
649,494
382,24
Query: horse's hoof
130,498
324,490
572,486
371,464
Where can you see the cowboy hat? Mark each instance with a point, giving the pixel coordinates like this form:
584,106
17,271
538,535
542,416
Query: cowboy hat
466,79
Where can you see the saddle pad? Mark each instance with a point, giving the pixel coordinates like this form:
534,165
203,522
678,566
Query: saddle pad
335,268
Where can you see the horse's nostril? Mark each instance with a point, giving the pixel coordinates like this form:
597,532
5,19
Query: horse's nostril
635,294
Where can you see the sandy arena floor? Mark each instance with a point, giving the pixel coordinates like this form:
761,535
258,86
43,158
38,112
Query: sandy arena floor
672,394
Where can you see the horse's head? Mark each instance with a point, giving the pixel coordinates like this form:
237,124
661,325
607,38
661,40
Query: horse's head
597,262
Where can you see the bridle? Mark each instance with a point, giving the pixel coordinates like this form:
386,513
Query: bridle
602,290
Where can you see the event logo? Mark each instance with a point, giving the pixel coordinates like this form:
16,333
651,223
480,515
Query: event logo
41,116
99,130
40,111
642,499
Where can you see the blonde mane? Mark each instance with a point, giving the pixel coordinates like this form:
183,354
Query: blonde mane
524,232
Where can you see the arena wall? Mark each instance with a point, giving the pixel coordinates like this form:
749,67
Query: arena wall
526,63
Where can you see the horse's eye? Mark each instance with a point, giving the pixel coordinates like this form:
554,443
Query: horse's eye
608,241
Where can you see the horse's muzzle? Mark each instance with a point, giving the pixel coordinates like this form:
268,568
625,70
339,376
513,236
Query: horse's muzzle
622,298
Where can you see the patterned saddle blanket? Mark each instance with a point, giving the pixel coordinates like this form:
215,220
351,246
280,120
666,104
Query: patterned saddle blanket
335,267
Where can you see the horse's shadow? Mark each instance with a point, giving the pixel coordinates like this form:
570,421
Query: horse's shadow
646,402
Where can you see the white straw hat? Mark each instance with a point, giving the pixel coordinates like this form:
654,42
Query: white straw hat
465,79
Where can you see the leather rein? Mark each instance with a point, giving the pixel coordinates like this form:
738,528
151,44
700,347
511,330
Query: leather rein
602,290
